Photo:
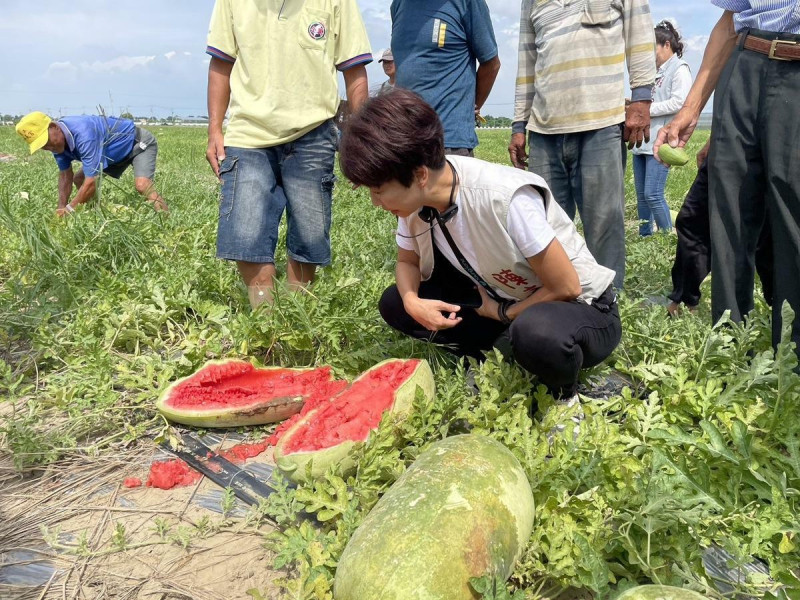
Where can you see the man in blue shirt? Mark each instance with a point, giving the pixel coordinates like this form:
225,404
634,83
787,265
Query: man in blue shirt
752,64
435,48
107,145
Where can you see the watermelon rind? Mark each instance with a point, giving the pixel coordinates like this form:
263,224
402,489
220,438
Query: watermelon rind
259,413
294,465
463,509
660,592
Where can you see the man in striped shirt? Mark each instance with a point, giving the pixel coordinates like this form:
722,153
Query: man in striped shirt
752,64
570,97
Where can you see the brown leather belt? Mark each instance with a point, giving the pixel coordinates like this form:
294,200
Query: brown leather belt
775,49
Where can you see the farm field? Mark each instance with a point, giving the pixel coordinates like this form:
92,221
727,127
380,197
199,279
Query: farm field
99,312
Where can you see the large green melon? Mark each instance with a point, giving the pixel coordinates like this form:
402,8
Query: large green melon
330,433
463,509
660,592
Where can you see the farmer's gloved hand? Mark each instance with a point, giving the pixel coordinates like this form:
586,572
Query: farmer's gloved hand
637,123
516,151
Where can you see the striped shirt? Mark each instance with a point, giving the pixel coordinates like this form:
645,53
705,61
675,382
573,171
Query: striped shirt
572,54
782,16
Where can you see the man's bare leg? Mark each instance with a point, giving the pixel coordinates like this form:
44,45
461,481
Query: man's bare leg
147,188
259,279
300,274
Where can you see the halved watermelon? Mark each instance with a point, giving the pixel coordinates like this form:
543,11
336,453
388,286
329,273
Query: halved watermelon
328,434
230,393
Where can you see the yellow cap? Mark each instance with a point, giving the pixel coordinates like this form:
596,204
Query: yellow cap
33,129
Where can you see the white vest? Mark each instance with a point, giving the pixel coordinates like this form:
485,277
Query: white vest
485,192
662,90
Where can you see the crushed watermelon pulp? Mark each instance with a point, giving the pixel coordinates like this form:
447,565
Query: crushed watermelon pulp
167,474
354,412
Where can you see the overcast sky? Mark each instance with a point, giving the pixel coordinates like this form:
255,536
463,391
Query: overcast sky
148,56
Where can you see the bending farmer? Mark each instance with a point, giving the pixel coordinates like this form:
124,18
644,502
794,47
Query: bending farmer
472,233
101,144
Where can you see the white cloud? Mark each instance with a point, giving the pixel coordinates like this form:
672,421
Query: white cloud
696,44
115,65
135,61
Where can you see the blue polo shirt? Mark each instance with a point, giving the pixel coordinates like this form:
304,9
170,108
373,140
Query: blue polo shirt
95,142
435,46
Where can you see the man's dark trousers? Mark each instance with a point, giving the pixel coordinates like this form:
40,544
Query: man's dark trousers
693,254
754,173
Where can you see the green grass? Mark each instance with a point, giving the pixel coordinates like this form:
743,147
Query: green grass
99,312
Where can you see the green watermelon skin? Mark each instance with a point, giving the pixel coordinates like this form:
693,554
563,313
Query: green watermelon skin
674,157
463,509
660,592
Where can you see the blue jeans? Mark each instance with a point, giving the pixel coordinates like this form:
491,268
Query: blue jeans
585,170
650,181
258,184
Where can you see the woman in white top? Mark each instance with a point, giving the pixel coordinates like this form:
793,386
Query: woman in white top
673,82
485,255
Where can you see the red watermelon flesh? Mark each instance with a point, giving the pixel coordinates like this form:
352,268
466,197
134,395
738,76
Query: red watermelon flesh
322,395
238,383
355,412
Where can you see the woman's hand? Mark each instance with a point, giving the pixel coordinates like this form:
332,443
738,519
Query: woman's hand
488,307
428,313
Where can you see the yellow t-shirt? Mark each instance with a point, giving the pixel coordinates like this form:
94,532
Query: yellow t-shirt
285,54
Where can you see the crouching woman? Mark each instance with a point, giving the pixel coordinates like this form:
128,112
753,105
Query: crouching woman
485,257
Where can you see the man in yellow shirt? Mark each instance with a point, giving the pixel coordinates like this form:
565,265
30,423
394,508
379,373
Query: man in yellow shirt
274,68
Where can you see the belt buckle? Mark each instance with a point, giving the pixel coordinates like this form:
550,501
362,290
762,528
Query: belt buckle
774,46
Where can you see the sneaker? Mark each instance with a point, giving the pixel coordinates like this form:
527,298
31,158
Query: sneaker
576,416
608,386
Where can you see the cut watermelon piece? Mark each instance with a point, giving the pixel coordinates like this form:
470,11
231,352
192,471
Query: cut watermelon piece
329,434
231,393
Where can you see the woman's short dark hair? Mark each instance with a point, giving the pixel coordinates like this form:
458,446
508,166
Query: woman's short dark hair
390,137
666,32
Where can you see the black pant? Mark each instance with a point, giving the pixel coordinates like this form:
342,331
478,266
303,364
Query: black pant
552,340
693,257
754,175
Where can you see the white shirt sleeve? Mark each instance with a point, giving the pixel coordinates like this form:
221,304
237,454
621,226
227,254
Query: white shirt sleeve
527,222
405,243
681,84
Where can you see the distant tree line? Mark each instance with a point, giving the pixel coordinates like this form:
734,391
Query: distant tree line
496,121
8,119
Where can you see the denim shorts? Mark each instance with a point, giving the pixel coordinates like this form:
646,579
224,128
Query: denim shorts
258,184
